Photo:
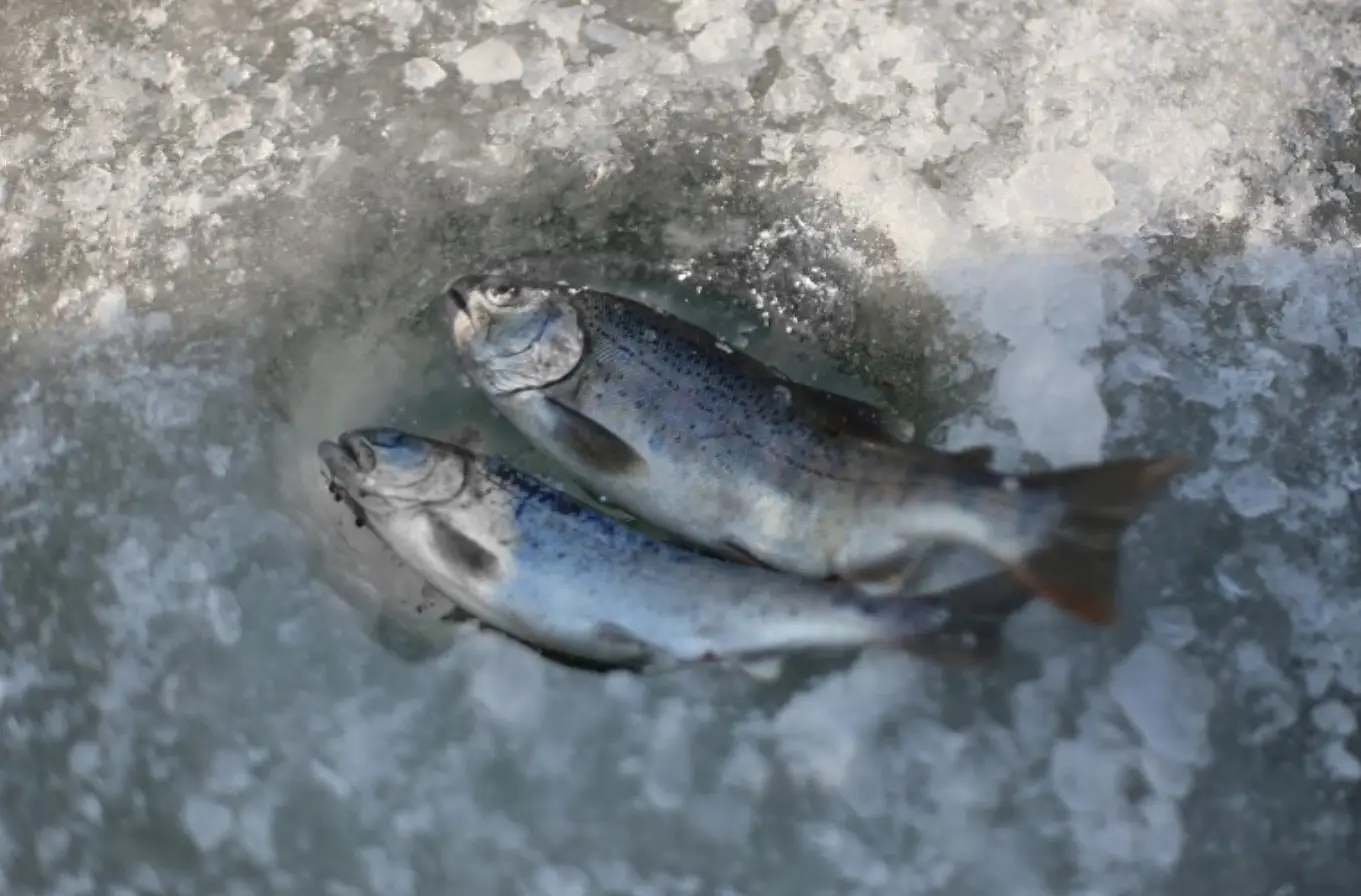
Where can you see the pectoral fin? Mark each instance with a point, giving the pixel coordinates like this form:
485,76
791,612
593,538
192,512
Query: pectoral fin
463,552
449,612
731,550
591,442
391,632
633,651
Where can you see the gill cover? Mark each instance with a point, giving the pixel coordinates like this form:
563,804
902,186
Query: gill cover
530,342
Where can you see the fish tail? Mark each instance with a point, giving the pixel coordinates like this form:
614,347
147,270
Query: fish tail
1077,566
977,611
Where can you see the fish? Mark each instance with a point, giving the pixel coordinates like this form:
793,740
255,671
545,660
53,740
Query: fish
529,560
675,426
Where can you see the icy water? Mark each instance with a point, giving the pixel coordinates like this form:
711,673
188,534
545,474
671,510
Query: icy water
1070,230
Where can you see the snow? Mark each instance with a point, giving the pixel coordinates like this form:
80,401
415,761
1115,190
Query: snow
1067,230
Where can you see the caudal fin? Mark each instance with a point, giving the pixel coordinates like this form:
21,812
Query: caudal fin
1077,568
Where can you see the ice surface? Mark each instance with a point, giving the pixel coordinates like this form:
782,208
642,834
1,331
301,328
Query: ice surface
1068,230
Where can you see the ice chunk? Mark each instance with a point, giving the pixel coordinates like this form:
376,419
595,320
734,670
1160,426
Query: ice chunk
560,22
84,759
422,73
1174,627
543,70
1024,296
1265,691
219,458
1253,491
667,776
405,14
1053,400
1063,185
853,860
1087,778
110,306
1341,763
1335,717
608,34
52,844
1167,700
208,822
724,40
509,683
387,874
224,615
491,62
822,732
552,880
504,12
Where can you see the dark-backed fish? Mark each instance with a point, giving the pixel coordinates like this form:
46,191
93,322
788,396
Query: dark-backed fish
674,426
537,564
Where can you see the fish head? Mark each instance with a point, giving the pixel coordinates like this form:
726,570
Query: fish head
384,469
512,335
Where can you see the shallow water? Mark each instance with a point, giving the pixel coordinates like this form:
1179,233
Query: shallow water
1070,231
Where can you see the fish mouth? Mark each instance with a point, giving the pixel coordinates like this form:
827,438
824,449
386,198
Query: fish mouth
346,459
456,294
349,456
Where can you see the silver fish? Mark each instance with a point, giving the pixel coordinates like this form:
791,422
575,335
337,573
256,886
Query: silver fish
546,569
662,419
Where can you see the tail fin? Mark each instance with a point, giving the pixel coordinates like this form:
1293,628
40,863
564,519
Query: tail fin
978,611
1077,568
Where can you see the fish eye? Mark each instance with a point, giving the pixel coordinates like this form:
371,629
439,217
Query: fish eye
501,296
387,438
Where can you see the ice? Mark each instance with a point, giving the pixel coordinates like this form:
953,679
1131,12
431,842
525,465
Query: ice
1334,717
1063,185
224,614
1341,763
84,759
1071,231
424,73
561,23
493,61
1173,627
1265,691
1072,426
823,731
1253,491
509,686
1167,701
209,823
